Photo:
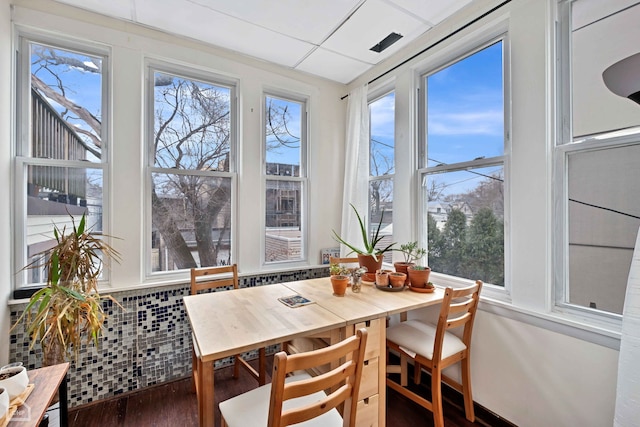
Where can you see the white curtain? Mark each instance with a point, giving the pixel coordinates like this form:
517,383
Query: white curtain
356,167
627,412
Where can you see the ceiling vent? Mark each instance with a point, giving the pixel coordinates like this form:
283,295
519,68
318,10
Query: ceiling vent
386,42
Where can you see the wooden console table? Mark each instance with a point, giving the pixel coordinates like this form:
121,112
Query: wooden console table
47,382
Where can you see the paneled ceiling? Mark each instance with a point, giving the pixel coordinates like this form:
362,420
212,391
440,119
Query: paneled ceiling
327,38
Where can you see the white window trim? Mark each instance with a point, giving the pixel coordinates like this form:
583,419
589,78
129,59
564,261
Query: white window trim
372,96
464,50
23,37
565,145
303,179
180,70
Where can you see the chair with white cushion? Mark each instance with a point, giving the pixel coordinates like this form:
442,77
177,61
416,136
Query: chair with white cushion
301,398
434,348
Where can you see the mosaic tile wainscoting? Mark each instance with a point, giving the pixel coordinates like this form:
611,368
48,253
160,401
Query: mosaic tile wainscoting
146,342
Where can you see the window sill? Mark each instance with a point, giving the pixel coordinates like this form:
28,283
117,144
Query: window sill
602,335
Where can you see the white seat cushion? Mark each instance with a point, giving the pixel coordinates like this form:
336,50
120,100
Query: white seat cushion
418,337
251,409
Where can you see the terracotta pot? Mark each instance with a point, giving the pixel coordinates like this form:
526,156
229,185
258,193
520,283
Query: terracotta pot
339,284
370,263
419,278
402,267
382,277
397,279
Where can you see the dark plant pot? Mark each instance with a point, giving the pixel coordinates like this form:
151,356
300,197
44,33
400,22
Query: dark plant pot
370,263
419,278
339,284
401,267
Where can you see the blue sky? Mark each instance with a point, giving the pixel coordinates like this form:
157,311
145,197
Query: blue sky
465,114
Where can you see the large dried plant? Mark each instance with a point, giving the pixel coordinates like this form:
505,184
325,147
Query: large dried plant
69,309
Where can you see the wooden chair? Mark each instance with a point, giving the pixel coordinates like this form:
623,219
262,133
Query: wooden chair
217,277
435,348
298,398
338,260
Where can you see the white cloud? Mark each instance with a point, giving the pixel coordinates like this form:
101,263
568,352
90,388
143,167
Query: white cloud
383,116
471,123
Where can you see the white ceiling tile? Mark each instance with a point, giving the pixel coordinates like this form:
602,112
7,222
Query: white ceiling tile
117,8
332,66
432,11
311,21
285,31
215,28
366,28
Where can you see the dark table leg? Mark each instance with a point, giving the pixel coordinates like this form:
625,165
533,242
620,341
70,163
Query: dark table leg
64,405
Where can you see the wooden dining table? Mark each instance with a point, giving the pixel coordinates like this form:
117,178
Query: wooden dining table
231,322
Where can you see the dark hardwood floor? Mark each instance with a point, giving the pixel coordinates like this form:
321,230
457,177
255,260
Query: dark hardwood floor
174,404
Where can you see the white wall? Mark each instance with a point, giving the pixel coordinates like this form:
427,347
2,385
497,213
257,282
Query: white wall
530,375
529,365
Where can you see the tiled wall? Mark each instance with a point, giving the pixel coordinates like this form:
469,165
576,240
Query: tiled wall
148,342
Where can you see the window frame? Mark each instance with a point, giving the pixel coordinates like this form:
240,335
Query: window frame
373,96
565,145
191,73
303,178
440,62
22,156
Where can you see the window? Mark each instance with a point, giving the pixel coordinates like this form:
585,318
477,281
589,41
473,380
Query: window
597,157
285,130
191,172
382,168
62,146
462,173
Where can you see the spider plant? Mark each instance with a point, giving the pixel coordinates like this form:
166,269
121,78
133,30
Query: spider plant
69,309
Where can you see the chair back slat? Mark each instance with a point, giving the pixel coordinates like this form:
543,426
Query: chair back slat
456,301
321,382
344,380
347,260
214,277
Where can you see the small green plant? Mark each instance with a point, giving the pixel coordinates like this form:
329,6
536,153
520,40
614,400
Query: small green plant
369,244
336,269
412,252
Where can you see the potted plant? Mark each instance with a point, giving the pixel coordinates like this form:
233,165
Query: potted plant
335,269
368,255
339,283
397,279
69,308
411,253
418,276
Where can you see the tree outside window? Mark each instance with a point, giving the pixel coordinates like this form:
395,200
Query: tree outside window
191,173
